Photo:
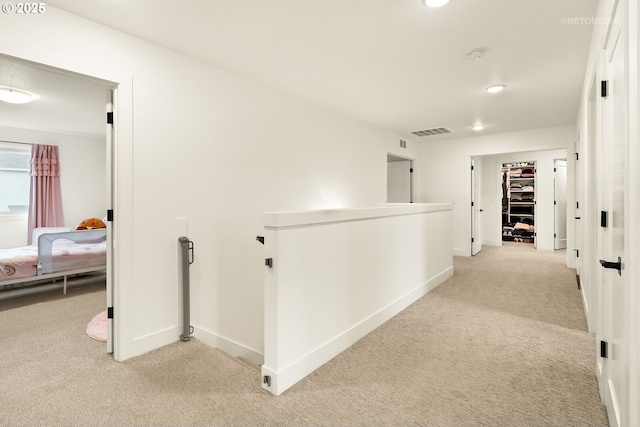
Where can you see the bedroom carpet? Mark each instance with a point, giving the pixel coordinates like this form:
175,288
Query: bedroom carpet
494,345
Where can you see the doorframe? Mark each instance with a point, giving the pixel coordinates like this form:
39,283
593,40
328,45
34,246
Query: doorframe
120,176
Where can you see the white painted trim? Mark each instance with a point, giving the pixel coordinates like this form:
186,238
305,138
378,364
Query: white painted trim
227,345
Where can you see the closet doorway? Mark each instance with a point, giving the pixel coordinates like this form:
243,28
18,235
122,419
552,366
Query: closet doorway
519,202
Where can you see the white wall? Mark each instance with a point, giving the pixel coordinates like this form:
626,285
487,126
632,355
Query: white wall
82,178
217,150
492,195
445,170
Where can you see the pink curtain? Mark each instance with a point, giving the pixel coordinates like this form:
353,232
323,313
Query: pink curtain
45,203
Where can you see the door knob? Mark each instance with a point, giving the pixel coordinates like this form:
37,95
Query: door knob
615,265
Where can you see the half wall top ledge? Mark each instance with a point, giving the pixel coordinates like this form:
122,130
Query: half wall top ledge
323,216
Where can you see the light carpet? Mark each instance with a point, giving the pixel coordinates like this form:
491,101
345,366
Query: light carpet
501,343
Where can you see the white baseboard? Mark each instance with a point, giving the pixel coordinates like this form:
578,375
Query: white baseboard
227,345
491,242
460,252
287,377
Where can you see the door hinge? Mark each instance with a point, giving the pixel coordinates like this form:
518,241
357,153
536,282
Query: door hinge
109,312
603,88
577,156
472,240
471,167
554,169
555,236
110,215
411,170
110,118
472,204
268,262
577,253
603,219
603,349
555,202
577,205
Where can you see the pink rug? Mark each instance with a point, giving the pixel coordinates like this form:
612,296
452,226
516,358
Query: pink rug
97,328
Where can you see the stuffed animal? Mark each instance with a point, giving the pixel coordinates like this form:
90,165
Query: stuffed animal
90,223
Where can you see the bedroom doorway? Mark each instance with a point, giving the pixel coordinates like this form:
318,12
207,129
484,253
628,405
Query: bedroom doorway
75,113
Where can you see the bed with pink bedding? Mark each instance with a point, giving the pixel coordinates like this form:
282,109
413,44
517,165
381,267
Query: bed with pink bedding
57,252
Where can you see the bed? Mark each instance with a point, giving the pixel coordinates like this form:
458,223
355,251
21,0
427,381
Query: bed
58,253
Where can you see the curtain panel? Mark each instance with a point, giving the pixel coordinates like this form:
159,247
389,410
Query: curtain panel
45,201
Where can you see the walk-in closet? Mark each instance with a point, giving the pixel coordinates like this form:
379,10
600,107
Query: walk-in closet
519,202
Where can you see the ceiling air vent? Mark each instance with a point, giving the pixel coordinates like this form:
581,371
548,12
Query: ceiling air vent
432,132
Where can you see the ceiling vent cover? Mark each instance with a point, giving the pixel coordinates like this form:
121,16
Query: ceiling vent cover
432,132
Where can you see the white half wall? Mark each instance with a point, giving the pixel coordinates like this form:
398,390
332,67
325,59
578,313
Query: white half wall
336,275
445,170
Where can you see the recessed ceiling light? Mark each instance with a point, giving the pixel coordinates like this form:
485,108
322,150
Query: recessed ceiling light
435,3
494,88
16,96
477,127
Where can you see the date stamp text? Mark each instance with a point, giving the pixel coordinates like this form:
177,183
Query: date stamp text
24,8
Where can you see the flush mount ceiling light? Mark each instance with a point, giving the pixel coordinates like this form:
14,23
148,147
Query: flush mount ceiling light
435,3
495,88
477,127
16,96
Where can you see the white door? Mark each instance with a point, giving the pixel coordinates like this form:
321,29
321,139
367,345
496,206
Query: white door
613,331
560,204
476,218
111,103
399,181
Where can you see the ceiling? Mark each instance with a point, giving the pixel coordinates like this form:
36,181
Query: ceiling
66,103
395,64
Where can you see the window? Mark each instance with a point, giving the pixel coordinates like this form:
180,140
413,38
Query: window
14,178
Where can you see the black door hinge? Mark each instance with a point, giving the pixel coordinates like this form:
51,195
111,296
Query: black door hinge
110,118
471,167
110,215
411,170
603,349
603,88
472,240
109,312
603,219
577,156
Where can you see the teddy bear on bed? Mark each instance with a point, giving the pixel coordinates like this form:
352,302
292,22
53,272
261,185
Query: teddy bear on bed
90,223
